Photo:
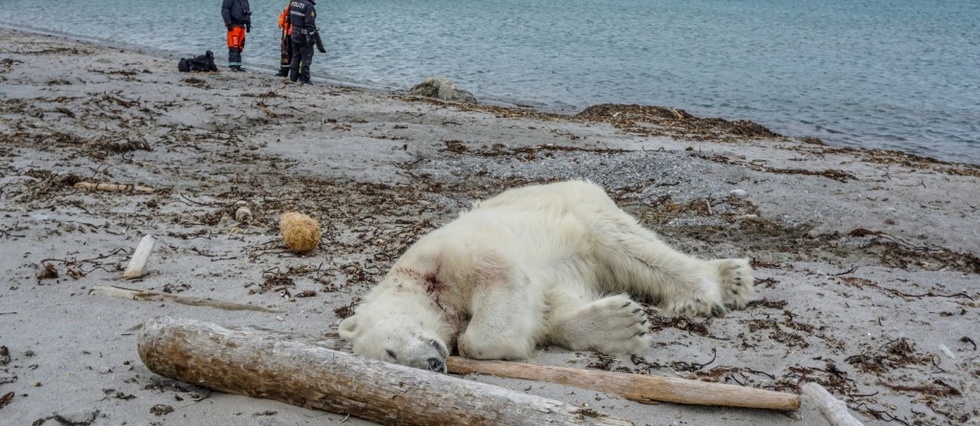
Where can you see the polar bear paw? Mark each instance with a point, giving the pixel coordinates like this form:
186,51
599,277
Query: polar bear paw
735,280
726,284
613,325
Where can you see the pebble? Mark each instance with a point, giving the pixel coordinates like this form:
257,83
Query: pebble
740,193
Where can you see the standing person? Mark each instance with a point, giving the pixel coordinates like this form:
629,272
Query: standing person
302,17
238,21
285,42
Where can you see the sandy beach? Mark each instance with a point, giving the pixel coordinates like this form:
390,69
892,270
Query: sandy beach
867,267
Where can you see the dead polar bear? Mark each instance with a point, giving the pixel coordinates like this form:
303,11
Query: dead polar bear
543,264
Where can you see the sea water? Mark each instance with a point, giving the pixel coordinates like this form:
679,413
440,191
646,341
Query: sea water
894,74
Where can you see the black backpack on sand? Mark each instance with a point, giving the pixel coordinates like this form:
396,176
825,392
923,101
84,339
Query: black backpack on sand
203,63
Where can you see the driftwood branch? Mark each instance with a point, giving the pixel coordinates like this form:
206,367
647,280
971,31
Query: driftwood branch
113,187
635,387
156,296
140,256
269,365
832,408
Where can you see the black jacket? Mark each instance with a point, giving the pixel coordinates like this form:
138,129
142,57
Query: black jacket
236,12
302,16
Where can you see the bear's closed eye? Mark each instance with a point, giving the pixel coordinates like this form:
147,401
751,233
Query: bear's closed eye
391,353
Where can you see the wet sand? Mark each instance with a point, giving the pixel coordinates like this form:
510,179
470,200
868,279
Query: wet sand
866,261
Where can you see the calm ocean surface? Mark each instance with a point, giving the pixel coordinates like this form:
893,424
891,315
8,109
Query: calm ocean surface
896,74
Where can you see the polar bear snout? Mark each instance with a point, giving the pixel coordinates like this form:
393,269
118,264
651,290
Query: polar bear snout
424,354
437,365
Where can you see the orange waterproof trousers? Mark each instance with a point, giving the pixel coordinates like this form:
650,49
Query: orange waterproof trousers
236,38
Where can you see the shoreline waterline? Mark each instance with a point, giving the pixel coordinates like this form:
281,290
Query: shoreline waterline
526,105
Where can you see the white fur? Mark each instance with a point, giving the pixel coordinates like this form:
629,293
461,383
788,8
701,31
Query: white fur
544,264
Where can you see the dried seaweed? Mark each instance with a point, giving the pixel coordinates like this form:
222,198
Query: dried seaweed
899,353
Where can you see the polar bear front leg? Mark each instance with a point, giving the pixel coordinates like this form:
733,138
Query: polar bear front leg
612,325
504,324
643,265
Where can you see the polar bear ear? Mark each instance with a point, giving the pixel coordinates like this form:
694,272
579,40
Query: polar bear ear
348,326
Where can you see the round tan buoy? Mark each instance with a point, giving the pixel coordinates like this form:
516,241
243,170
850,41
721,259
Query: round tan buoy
299,231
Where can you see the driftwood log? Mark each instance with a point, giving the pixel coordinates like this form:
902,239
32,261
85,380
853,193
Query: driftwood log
635,387
265,364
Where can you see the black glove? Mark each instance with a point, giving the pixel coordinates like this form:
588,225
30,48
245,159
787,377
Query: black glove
248,28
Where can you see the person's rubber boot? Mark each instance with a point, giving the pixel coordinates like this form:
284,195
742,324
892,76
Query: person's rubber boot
283,72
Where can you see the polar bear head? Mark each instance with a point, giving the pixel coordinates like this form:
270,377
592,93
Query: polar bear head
397,338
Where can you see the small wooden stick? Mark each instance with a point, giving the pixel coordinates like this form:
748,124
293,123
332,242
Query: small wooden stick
832,408
635,387
140,256
156,296
294,370
112,187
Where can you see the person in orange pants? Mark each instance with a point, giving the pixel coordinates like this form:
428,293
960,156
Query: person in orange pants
238,20
285,43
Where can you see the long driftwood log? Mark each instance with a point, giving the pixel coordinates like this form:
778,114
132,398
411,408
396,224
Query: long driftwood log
635,387
265,364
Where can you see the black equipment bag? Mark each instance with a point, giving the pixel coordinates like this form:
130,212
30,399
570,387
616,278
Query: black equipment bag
203,63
